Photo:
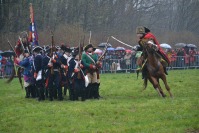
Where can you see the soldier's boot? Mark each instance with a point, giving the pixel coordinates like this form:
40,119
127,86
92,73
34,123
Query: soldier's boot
59,93
32,91
46,92
54,92
88,91
165,70
95,91
83,95
65,90
39,94
71,94
27,92
92,90
98,85
76,94
50,91
42,90
164,64
144,74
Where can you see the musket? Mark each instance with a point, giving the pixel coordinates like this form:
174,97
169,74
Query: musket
83,42
51,53
89,41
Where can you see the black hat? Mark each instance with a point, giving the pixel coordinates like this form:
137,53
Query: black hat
48,50
89,46
37,48
75,52
66,49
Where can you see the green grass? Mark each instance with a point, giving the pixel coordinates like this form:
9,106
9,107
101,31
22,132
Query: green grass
124,108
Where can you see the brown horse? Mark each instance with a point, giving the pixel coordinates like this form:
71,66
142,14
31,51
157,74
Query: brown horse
154,69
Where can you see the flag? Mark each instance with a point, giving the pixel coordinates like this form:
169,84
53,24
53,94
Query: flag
33,36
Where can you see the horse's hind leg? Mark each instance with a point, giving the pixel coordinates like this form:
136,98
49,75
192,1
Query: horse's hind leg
166,85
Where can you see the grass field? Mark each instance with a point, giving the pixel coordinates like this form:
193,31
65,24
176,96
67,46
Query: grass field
123,108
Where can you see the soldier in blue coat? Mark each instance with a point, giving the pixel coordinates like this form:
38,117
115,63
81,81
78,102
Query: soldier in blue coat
46,70
55,77
37,67
26,63
65,58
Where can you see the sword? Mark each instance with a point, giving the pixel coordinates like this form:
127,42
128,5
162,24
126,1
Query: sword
121,42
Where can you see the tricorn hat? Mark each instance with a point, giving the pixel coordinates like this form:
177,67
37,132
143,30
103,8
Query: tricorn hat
142,30
66,49
75,52
89,46
37,48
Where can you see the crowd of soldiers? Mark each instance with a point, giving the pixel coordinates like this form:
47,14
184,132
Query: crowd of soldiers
52,71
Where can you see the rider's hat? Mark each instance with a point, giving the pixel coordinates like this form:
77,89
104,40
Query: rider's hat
142,30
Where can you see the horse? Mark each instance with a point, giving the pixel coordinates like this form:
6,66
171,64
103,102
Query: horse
154,69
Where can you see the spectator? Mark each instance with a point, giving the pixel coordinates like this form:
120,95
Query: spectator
127,59
192,54
180,60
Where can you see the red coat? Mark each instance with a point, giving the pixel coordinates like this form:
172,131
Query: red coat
149,35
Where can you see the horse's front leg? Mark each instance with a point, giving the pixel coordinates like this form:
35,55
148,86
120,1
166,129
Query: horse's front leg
164,79
156,85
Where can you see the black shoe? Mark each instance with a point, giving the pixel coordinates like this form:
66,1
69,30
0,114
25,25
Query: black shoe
166,73
165,70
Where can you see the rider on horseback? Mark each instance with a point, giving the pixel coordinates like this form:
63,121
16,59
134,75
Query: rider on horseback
145,37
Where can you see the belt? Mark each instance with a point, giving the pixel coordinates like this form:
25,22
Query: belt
56,69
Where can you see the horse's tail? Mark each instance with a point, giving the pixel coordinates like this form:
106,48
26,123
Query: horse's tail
11,76
145,82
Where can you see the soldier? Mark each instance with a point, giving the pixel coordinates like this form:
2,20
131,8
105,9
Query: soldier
65,57
46,69
77,77
90,62
27,74
144,36
55,77
37,65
